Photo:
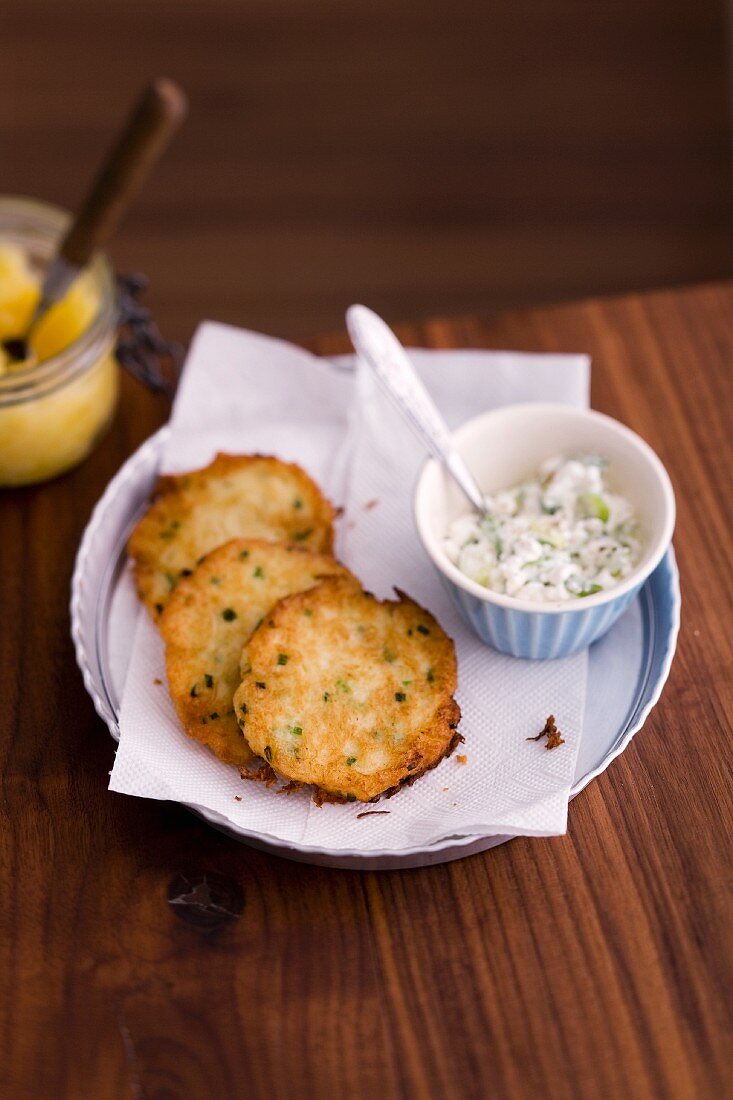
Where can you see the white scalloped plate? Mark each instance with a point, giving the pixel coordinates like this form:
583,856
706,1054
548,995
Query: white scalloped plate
619,696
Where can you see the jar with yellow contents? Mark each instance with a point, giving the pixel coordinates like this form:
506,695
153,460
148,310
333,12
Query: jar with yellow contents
55,406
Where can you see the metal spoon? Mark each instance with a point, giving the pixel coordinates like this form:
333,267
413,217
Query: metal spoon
144,137
378,346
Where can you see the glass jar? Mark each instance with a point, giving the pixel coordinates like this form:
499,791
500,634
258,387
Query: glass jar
53,411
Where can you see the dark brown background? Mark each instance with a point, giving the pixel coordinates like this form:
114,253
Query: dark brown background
426,156
429,158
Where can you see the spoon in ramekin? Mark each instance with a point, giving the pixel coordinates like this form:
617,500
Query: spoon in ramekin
378,346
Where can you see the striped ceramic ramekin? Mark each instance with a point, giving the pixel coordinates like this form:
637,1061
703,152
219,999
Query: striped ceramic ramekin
506,446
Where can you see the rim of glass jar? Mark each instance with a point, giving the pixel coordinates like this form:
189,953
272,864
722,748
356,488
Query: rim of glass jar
26,221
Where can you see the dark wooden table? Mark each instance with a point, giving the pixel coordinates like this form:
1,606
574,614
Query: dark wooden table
427,157
592,965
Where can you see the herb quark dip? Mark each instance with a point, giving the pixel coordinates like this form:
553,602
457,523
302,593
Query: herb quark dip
559,536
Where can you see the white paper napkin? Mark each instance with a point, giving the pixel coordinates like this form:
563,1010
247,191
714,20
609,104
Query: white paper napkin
243,392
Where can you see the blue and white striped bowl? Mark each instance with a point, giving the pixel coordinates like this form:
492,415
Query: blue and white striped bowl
507,445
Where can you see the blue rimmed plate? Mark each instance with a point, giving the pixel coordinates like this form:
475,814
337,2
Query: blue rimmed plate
624,681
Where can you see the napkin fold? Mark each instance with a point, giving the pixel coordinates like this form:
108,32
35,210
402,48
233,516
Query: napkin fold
243,392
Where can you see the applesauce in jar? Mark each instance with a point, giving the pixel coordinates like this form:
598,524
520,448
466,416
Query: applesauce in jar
53,408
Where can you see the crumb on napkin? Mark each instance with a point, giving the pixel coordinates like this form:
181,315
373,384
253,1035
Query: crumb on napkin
551,732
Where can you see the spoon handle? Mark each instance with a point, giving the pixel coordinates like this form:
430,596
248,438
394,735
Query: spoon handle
378,346
144,137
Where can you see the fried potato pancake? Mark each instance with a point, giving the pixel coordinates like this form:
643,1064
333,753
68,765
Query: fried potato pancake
212,614
348,693
236,496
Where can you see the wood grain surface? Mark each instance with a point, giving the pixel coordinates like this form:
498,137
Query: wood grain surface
424,156
596,965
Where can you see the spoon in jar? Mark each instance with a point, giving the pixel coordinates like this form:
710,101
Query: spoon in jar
378,346
145,135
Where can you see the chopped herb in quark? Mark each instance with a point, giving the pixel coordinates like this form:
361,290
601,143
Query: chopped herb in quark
593,505
556,537
259,572
400,696
228,614
194,691
297,503
430,676
243,555
159,608
350,760
214,714
282,658
209,680
260,684
423,629
215,580
296,731
343,686
268,754
326,697
244,708
389,655
300,536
